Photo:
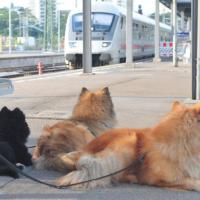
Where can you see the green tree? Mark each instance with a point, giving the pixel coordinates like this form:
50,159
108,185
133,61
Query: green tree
16,14
4,22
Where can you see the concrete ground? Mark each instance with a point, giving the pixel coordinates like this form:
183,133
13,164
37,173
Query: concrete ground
141,94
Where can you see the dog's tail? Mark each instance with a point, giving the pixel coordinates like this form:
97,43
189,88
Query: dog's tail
90,167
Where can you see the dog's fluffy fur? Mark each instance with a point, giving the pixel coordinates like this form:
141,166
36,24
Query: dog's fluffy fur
166,155
14,132
93,114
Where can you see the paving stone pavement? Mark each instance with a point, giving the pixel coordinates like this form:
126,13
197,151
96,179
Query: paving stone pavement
141,94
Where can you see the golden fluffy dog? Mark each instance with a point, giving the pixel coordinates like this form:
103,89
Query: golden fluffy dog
93,114
166,155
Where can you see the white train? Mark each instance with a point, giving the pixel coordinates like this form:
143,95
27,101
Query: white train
108,35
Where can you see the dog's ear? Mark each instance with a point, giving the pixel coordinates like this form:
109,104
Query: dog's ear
4,109
177,105
18,114
83,91
106,91
5,112
46,131
46,128
197,107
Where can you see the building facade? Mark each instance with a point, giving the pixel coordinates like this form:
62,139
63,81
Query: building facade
47,11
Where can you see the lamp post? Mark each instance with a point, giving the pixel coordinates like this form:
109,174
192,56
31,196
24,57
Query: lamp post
20,24
10,30
58,18
51,25
25,33
45,28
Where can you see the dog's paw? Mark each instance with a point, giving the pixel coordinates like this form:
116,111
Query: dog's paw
20,167
72,180
13,174
27,160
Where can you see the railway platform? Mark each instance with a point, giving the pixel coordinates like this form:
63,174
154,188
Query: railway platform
27,61
142,94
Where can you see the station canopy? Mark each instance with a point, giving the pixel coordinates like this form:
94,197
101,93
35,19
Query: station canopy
182,5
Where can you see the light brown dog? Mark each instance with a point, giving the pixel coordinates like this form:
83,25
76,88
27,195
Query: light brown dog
166,155
92,115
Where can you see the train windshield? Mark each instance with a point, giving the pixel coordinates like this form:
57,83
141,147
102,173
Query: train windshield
101,22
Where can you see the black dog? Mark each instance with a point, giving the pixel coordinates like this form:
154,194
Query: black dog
14,132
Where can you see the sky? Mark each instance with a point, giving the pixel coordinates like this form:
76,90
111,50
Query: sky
148,6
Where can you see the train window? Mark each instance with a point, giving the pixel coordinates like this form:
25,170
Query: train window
135,27
77,21
151,28
152,37
101,22
145,31
143,28
122,21
167,39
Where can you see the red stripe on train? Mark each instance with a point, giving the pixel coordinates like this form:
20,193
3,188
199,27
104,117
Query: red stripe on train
137,46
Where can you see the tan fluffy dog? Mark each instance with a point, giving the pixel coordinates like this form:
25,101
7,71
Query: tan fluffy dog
92,115
166,155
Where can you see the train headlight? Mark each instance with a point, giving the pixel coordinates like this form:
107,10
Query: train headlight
72,44
106,44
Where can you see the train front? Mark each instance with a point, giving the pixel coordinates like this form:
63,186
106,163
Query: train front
103,26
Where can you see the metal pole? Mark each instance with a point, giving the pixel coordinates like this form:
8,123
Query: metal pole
171,21
51,15
174,33
198,55
194,46
87,52
26,28
20,24
45,27
129,31
58,30
10,30
157,33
